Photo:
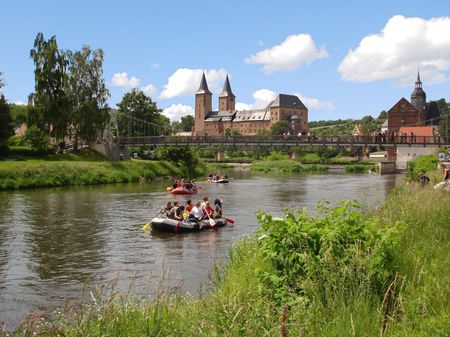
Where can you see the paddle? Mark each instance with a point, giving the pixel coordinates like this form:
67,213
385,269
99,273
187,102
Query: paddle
229,220
212,223
147,225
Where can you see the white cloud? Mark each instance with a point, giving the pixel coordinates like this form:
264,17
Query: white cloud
176,111
293,52
20,103
185,81
122,80
149,90
396,52
263,97
314,103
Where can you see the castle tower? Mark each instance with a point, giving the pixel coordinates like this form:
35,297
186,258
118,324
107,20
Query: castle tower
419,98
226,98
203,105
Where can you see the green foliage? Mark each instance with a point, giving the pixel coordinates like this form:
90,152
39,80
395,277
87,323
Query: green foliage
51,82
423,164
281,127
88,94
181,155
337,249
33,174
184,124
6,125
19,114
284,166
276,155
37,138
138,107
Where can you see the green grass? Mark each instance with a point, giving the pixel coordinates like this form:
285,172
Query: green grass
240,302
285,166
39,173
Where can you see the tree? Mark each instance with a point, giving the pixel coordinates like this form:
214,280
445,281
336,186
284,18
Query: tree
19,114
51,82
444,124
281,127
138,115
89,112
37,138
6,127
184,124
383,115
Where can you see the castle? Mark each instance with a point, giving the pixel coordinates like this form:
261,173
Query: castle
247,122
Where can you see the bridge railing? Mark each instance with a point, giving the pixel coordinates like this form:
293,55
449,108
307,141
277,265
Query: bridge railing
281,140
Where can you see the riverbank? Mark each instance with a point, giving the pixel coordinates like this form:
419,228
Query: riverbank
396,288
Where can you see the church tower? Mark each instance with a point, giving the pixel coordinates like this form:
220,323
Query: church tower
227,98
203,105
419,98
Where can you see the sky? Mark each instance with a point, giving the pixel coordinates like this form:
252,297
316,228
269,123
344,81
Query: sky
344,59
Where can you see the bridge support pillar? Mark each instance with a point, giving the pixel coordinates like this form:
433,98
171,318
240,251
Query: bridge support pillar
220,155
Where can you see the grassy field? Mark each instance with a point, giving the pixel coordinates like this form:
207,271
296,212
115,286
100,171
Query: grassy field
83,168
342,273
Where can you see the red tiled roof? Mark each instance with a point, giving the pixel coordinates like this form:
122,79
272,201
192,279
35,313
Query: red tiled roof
417,130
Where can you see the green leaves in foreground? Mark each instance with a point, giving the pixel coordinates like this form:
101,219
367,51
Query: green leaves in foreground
336,253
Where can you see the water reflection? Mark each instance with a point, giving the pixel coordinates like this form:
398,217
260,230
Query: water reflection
52,240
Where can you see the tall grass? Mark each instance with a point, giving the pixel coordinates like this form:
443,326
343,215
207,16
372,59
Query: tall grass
31,174
412,298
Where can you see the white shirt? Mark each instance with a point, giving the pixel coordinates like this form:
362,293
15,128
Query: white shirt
197,212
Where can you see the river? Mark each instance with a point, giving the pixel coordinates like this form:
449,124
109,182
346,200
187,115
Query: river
53,242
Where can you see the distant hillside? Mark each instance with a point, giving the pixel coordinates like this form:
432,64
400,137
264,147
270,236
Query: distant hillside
344,127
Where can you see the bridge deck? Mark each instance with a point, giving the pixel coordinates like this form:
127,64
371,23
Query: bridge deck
281,141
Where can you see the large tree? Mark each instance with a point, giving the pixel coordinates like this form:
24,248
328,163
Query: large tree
2,82
184,124
138,115
89,112
6,127
51,82
281,127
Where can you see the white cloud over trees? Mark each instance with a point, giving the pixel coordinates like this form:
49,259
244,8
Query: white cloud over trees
123,81
176,111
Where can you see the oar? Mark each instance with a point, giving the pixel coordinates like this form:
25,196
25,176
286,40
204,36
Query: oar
212,223
147,225
229,220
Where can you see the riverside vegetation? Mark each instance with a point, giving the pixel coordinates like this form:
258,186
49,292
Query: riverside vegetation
84,168
341,272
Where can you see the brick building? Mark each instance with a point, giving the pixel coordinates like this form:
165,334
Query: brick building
412,115
247,122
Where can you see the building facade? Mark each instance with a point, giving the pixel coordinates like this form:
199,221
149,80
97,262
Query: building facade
247,122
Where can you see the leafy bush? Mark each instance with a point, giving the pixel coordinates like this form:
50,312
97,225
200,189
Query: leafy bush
338,251
276,155
37,138
423,164
359,168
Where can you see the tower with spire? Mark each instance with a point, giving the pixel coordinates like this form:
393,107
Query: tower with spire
203,105
418,97
227,98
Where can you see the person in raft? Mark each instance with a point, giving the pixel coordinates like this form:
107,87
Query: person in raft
207,210
196,213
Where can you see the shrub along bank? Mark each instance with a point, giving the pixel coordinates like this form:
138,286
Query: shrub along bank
285,166
342,272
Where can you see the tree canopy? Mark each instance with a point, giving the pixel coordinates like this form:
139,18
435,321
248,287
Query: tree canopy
281,127
6,126
138,115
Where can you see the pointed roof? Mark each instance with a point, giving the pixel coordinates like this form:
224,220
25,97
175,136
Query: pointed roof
226,92
287,101
418,91
203,89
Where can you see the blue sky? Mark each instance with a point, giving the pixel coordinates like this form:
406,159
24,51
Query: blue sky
344,59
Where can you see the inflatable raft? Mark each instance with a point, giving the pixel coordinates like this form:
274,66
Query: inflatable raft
182,190
175,226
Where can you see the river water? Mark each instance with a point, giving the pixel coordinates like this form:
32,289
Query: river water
54,242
